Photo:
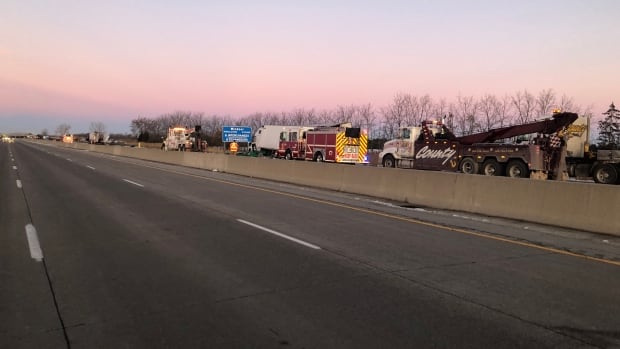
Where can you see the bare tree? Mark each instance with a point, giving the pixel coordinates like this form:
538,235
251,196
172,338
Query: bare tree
412,110
440,109
346,114
271,119
488,107
254,121
298,116
196,119
465,114
525,105
425,108
397,113
367,117
63,129
139,125
545,101
97,126
325,117
311,116
504,110
568,105
178,118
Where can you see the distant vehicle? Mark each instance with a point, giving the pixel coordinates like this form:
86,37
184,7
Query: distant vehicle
67,139
7,139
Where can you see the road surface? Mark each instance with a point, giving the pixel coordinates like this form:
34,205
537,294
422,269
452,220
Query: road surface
99,251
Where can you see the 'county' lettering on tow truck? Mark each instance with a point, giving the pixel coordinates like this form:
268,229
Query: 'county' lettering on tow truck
427,153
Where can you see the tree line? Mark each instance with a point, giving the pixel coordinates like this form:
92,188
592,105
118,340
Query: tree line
465,115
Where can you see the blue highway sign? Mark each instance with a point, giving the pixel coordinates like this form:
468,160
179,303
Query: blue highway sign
236,133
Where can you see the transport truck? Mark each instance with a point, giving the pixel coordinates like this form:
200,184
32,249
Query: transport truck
432,146
340,143
267,138
602,165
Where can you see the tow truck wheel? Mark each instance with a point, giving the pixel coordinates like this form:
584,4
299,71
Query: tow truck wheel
288,156
517,169
605,174
388,161
318,157
491,167
469,166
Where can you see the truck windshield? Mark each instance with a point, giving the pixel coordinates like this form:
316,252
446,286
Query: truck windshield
405,133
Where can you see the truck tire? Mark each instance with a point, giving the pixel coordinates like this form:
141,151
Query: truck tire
517,169
388,161
605,174
288,155
469,166
491,167
318,157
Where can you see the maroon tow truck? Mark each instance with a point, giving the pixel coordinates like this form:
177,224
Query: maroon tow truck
432,146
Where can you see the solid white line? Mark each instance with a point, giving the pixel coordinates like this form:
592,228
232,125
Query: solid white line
134,183
301,242
33,241
19,184
92,168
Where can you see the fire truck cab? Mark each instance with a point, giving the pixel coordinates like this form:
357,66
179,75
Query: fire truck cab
292,142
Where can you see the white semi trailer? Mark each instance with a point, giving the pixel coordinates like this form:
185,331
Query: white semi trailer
267,138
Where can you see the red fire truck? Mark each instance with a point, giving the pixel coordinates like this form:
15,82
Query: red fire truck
340,143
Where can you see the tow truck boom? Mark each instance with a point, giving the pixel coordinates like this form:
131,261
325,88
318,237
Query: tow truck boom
547,126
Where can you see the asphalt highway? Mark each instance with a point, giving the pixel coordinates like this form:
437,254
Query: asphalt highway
99,251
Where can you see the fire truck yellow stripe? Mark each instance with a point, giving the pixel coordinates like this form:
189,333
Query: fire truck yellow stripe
363,142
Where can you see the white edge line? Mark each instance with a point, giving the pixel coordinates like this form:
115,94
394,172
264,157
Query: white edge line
33,242
19,183
134,183
301,242
92,168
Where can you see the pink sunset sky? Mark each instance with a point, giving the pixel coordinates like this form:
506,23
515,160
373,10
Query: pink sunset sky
78,62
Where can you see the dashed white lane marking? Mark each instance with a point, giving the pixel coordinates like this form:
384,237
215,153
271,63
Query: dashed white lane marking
33,242
134,183
92,168
69,159
15,167
301,242
19,183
